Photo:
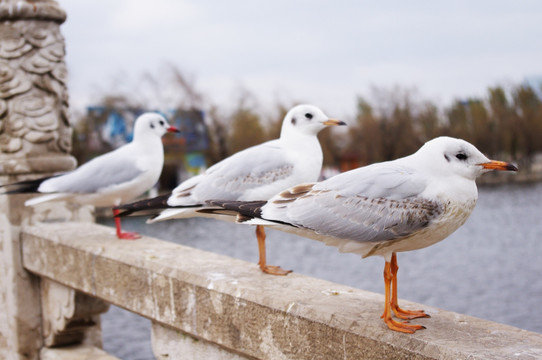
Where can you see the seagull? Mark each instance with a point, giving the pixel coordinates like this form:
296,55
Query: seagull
382,209
258,172
112,178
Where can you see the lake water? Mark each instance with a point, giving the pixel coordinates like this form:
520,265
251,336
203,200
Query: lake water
490,268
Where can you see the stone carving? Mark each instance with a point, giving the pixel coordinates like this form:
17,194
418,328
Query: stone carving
34,118
69,316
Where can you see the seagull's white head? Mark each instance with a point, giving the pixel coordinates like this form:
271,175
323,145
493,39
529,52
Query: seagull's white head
152,124
451,156
306,119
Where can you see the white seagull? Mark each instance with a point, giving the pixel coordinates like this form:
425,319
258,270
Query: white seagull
258,172
381,209
112,178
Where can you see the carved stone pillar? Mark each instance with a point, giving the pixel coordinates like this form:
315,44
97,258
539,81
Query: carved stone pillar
69,316
35,140
35,134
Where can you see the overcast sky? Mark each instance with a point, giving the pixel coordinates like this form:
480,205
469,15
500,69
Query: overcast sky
321,52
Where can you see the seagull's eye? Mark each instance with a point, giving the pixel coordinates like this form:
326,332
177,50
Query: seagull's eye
162,122
308,116
461,156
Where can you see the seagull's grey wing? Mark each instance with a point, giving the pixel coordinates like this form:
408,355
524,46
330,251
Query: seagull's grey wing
383,206
99,173
251,168
382,180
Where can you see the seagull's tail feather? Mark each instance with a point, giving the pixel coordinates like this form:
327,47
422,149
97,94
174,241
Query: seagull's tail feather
246,212
177,212
28,186
156,203
248,209
48,197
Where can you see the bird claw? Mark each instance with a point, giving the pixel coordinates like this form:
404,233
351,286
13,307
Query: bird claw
409,314
404,327
128,235
274,270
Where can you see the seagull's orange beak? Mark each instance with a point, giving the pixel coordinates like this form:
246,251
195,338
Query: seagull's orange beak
499,165
173,129
334,122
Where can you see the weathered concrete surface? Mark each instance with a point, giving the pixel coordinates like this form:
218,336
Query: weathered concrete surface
76,352
229,302
168,344
20,315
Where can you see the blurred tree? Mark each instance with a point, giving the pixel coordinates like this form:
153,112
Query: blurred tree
218,134
388,134
330,142
167,88
275,123
482,127
505,121
529,121
392,124
192,99
428,122
458,121
400,137
362,144
246,129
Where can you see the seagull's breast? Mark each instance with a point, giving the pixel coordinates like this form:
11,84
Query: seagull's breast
454,215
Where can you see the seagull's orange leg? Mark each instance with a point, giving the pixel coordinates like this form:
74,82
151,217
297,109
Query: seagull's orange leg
393,324
268,269
125,235
401,313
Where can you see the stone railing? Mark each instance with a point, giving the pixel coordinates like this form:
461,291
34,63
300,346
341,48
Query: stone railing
208,306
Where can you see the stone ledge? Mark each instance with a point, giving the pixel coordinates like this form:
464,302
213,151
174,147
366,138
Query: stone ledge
230,303
13,10
170,344
75,352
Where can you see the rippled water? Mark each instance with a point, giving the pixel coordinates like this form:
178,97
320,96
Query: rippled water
490,268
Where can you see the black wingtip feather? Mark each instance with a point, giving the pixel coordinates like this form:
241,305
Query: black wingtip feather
21,187
146,205
156,203
247,208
